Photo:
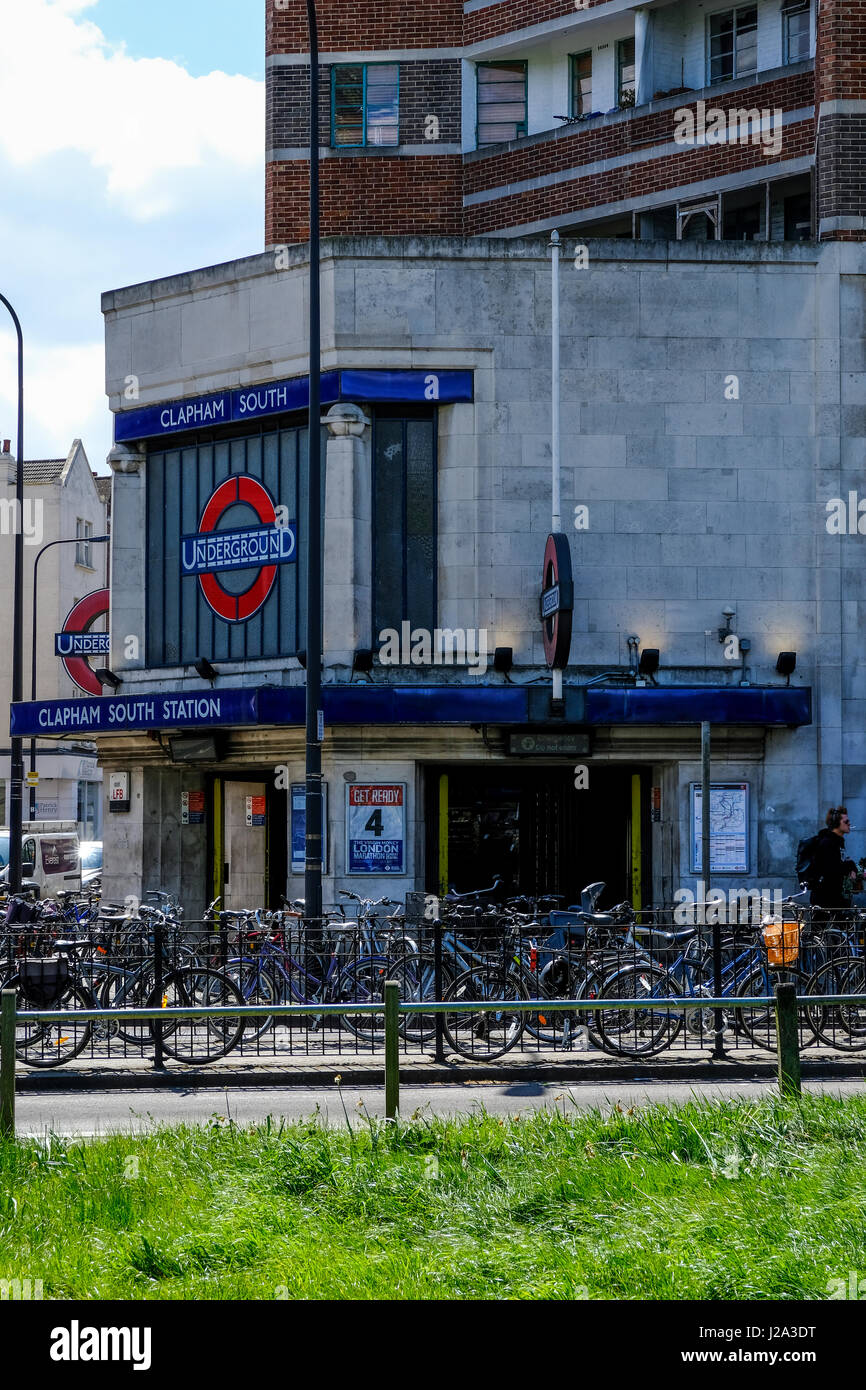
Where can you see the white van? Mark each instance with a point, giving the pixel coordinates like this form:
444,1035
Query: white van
50,856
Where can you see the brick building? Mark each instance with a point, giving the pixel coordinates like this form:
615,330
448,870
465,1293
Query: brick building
665,120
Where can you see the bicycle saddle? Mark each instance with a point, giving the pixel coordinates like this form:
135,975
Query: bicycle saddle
669,937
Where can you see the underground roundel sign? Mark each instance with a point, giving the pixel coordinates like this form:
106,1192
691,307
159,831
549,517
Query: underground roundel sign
557,600
77,642
237,548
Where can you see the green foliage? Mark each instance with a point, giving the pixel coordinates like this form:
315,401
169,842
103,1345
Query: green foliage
711,1200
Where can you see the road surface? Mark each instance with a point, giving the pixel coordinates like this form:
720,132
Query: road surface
87,1114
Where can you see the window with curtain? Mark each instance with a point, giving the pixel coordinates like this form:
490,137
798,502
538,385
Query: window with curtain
501,102
365,104
733,44
581,84
796,31
625,72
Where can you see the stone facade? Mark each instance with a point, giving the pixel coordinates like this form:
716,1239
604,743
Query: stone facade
712,408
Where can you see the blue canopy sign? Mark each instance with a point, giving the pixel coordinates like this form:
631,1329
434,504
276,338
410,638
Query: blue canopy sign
293,393
126,712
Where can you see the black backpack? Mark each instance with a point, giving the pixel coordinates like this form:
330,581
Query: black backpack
806,871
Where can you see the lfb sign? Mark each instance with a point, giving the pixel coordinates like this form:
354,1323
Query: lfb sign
77,642
226,547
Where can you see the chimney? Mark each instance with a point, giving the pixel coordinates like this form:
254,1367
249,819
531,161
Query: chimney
7,446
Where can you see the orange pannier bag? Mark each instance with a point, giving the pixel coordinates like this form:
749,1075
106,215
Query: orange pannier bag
782,940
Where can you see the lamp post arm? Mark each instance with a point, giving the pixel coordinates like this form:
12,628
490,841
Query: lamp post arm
94,540
16,746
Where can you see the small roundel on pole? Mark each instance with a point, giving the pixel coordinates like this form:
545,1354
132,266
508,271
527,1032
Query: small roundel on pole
557,600
79,622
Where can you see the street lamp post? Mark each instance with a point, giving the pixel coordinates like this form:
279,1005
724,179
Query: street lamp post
16,768
91,540
314,730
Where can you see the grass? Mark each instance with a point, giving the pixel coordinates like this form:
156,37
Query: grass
711,1200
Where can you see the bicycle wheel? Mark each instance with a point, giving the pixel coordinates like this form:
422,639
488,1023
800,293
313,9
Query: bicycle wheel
52,1044
363,982
483,1035
638,1032
841,1026
416,976
758,1021
256,987
122,989
198,1040
561,978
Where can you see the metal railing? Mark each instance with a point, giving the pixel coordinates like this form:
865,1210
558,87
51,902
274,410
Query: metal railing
784,1003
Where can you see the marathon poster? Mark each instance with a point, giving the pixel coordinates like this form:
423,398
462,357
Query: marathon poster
376,828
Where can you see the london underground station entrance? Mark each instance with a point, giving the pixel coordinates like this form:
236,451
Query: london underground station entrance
535,830
248,827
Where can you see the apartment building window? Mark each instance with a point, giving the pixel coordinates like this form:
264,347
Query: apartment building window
84,550
581,84
733,44
501,102
365,104
796,31
625,72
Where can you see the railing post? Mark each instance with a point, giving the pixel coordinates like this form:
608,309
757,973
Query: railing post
158,945
392,1049
788,1039
7,1064
438,1018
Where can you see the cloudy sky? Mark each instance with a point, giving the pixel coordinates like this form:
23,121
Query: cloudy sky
131,146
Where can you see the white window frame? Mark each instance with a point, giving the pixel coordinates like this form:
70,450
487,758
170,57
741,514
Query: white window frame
789,9
716,14
83,548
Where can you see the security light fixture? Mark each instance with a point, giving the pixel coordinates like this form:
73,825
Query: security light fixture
204,669
649,661
728,614
786,663
362,660
194,748
301,658
106,677
503,660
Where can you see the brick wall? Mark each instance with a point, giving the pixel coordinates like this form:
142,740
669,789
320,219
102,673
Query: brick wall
344,26
517,14
840,76
402,196
604,142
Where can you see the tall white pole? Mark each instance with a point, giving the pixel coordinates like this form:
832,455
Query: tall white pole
556,519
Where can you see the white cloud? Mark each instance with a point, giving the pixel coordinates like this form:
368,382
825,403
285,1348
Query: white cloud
134,119
114,170
56,381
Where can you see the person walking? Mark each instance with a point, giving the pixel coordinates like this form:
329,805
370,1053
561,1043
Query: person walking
831,868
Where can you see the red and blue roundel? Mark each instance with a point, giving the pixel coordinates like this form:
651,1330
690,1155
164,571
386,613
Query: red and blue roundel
226,546
76,642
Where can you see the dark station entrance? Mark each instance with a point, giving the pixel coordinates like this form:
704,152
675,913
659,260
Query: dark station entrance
541,835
